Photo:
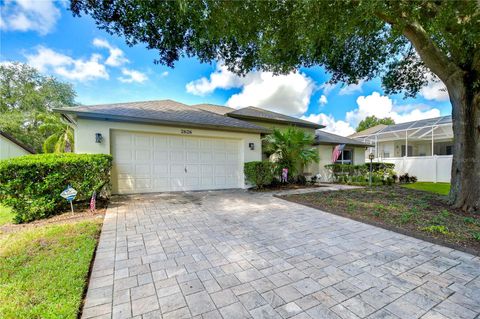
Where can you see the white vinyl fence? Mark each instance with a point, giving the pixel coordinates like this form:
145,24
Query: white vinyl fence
435,168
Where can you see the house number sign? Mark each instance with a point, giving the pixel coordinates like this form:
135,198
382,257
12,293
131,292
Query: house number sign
186,131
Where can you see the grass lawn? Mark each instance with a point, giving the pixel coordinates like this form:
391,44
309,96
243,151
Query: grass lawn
439,188
416,213
43,270
6,216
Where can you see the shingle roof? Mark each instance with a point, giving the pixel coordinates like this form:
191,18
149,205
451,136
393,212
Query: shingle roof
166,112
368,131
217,109
256,113
17,142
322,137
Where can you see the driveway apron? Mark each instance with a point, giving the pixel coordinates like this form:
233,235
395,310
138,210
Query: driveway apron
235,254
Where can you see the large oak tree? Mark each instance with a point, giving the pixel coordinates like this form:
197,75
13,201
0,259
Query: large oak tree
404,42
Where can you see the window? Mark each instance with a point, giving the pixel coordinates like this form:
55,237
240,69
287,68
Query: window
449,150
347,157
410,150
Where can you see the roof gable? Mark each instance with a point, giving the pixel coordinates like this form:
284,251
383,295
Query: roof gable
17,142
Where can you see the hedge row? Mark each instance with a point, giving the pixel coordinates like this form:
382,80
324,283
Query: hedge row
31,185
259,173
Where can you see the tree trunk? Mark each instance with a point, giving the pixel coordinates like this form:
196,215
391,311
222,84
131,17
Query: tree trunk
465,178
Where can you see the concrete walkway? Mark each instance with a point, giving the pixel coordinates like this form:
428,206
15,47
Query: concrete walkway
234,254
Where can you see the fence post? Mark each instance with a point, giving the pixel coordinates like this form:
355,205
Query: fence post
436,168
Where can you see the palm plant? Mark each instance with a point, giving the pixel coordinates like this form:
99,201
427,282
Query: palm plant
60,135
290,148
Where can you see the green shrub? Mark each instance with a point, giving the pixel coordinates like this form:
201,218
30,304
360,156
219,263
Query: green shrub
382,173
437,229
259,173
31,185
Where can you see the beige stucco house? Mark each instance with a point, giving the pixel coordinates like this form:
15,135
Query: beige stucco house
11,147
165,145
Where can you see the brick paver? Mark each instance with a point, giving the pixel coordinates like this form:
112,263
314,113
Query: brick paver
234,254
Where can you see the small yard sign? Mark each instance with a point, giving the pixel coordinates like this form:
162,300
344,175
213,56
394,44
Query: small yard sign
69,194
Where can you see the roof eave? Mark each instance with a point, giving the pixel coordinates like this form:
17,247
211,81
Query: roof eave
263,119
119,118
350,144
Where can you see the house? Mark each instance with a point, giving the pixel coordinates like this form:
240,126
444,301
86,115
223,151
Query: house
353,152
165,145
11,147
421,148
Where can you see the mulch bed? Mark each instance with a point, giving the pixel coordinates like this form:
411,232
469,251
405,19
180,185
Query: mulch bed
414,213
283,187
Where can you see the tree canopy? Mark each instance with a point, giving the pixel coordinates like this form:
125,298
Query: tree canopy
371,121
353,39
26,102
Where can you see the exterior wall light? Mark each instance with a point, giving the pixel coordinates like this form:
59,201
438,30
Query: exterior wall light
98,138
251,146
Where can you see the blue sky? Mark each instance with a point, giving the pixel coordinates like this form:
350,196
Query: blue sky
103,69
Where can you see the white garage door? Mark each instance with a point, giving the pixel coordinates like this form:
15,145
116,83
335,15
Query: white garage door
144,163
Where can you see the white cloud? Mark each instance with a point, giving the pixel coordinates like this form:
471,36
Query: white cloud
29,15
382,106
327,88
47,60
116,57
164,74
373,104
221,78
352,88
435,90
289,94
331,125
323,100
132,76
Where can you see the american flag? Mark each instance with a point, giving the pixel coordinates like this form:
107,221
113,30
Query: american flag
337,151
93,201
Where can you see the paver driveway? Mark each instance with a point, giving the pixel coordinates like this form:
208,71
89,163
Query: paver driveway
233,254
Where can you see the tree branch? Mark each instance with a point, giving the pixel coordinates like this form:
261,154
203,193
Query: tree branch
431,55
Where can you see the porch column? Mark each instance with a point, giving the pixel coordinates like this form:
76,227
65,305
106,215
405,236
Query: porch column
376,147
432,141
406,143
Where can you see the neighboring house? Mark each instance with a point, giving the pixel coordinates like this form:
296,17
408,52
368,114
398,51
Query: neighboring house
165,145
422,148
353,153
11,147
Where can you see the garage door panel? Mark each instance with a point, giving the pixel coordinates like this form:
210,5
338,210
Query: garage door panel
124,155
192,143
206,157
219,156
160,156
176,142
123,139
143,155
143,141
193,156
177,156
160,142
161,183
156,163
160,170
192,182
